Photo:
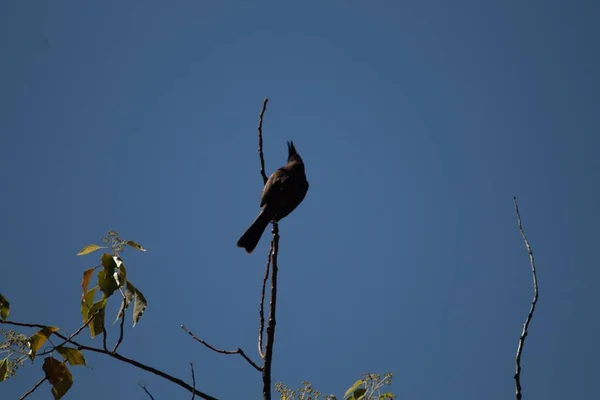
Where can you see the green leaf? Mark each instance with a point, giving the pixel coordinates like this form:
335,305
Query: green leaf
140,304
37,340
106,283
96,327
359,394
4,369
71,355
136,246
350,392
87,302
4,307
58,376
129,293
109,262
386,396
90,248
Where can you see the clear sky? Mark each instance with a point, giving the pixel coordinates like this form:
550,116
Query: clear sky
418,122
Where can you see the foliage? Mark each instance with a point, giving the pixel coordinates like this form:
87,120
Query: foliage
367,388
111,278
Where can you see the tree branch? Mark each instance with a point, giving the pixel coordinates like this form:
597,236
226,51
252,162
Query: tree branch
119,357
147,391
193,380
266,369
37,385
531,310
261,311
260,141
227,352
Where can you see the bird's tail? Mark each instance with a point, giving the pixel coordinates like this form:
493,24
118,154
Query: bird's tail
250,238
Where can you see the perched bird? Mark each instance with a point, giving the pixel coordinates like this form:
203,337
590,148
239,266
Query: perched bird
284,191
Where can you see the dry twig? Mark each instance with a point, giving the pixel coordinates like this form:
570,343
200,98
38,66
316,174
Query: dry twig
531,310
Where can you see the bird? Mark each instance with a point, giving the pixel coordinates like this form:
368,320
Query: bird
284,191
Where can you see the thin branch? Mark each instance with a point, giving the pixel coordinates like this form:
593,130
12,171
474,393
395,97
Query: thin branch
37,385
119,357
260,142
147,391
228,352
531,310
266,370
261,310
193,380
120,340
67,340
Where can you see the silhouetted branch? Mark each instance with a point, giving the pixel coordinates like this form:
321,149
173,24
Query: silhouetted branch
193,380
37,385
531,310
227,352
120,340
82,327
266,369
119,357
147,391
261,310
260,141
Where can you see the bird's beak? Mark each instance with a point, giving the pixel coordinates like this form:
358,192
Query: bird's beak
291,148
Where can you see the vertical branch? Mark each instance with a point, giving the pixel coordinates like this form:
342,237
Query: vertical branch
261,310
531,310
260,141
266,370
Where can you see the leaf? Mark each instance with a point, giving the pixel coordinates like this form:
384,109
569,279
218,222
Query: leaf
350,392
140,304
107,283
87,302
359,394
4,369
386,395
136,246
96,327
71,355
129,293
87,275
109,262
4,307
120,275
90,248
58,376
37,340
62,387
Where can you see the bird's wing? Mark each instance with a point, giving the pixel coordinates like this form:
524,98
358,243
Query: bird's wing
275,184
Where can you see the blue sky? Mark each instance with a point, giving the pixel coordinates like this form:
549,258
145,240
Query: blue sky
418,122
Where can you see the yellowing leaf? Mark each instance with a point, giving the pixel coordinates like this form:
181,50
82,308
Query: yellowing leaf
350,392
4,307
90,248
87,274
4,369
58,376
96,327
71,355
136,246
37,340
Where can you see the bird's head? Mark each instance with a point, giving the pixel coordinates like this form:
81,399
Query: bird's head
293,155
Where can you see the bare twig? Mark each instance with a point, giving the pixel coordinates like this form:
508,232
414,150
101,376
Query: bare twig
193,380
261,310
266,369
147,391
120,340
260,141
82,327
119,357
228,352
531,310
37,385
